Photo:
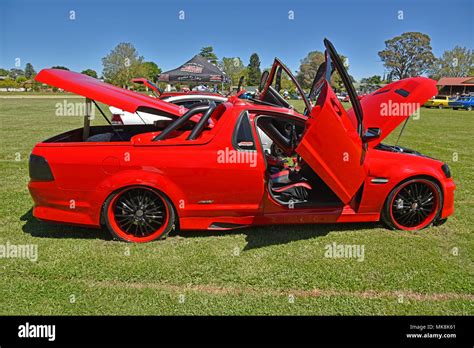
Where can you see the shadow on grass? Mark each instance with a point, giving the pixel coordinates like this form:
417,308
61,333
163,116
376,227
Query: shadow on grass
256,237
263,236
43,229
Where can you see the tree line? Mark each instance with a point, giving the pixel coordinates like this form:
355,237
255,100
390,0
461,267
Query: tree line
407,55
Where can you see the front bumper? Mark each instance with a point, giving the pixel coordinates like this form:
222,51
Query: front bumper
448,194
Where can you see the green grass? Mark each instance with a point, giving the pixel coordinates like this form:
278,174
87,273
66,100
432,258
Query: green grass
251,271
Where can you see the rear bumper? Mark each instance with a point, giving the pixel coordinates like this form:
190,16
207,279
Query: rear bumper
65,206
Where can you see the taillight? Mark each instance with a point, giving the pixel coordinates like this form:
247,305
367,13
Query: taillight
39,169
117,120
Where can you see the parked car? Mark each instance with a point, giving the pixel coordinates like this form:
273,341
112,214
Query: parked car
439,101
342,97
210,172
466,103
347,99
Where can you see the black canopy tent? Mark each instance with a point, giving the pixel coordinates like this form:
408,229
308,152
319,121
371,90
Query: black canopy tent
197,69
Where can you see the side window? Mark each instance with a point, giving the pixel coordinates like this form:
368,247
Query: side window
243,137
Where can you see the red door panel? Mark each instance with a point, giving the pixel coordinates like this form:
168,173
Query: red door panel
332,147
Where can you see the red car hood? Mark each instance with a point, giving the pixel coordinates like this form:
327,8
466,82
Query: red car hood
95,89
389,106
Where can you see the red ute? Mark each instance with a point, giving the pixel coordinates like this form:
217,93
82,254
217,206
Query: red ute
206,169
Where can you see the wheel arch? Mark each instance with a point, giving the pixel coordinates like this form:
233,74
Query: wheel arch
407,179
417,176
154,181
375,195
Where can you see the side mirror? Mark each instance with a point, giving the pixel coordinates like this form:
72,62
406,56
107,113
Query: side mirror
263,80
371,134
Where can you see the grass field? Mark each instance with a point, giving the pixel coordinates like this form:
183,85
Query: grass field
265,270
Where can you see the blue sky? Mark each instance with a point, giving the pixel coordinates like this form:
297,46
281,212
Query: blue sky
41,32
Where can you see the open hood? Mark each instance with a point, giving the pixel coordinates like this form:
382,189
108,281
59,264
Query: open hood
389,106
95,89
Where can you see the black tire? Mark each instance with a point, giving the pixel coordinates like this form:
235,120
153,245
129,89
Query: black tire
161,214
440,222
469,108
440,106
388,218
455,108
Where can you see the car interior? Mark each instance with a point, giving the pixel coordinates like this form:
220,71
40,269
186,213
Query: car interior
169,128
291,181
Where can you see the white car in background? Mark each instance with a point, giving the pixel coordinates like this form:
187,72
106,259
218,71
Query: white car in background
120,117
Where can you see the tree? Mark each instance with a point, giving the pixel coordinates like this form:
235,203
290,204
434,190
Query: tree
371,83
29,71
457,62
336,79
254,70
308,68
208,53
8,83
14,73
372,80
151,70
59,67
122,64
407,55
234,68
20,79
4,72
90,72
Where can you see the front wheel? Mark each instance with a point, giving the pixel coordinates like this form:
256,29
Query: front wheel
139,214
413,205
440,106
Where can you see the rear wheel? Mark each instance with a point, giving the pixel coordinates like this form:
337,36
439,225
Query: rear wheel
139,214
469,108
413,205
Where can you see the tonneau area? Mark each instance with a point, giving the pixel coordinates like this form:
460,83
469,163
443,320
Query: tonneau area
103,134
